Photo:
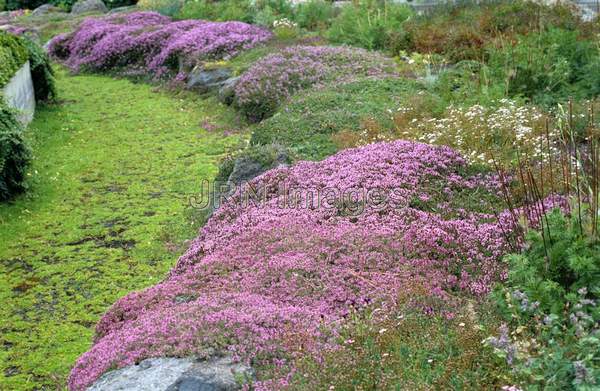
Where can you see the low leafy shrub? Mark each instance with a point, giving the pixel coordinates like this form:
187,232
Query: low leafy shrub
547,68
261,12
470,82
314,14
110,4
13,54
370,24
273,79
221,11
15,155
23,4
275,277
311,122
42,73
150,43
265,12
552,305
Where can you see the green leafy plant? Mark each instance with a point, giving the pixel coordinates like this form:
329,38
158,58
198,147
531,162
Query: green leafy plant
216,10
13,54
42,73
370,24
546,68
551,301
314,14
15,155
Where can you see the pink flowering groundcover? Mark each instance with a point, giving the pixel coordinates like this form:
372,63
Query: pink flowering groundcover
150,43
267,279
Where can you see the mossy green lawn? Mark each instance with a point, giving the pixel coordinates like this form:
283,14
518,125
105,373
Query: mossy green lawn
107,213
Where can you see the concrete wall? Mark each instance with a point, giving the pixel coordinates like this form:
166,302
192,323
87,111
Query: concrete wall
19,94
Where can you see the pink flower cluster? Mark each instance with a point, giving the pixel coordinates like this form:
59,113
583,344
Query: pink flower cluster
274,78
264,281
151,43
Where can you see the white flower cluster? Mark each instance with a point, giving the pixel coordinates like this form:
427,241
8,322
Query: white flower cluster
481,133
284,23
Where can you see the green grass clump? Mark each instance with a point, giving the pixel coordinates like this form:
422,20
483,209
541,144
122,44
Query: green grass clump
114,167
307,123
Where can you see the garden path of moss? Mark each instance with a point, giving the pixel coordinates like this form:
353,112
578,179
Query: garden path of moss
107,213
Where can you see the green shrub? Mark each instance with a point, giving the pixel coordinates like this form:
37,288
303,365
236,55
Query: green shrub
469,82
2,5
555,267
13,54
552,303
268,11
547,68
23,4
263,12
314,14
216,10
14,154
307,123
371,24
42,73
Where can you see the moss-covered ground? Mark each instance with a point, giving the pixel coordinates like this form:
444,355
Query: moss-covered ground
107,213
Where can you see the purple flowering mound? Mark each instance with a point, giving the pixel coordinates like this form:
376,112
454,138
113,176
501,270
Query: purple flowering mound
150,43
274,277
274,78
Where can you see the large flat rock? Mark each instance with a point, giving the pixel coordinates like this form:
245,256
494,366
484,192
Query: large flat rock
176,374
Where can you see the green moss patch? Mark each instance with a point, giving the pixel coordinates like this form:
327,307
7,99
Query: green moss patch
114,167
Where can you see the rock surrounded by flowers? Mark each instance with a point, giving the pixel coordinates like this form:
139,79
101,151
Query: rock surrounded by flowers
274,78
147,42
280,264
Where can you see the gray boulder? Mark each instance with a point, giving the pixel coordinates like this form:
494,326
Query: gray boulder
256,160
120,10
205,80
226,93
85,6
45,10
176,374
